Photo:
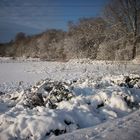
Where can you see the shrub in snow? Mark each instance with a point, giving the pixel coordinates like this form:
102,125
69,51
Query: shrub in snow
49,94
129,81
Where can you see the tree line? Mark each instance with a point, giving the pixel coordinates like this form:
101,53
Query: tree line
113,36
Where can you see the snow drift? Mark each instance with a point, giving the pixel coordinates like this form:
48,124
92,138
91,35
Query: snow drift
51,108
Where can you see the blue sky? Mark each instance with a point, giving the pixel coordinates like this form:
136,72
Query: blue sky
35,16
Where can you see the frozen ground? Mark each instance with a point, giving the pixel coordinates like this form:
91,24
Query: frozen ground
84,99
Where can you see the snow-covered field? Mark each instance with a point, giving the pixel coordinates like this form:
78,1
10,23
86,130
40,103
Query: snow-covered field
78,99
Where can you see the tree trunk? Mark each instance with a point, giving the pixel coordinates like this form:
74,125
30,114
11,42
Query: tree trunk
135,29
134,48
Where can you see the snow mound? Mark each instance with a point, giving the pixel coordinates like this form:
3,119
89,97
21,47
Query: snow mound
53,108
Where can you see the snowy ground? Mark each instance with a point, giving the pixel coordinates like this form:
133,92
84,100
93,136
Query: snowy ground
84,99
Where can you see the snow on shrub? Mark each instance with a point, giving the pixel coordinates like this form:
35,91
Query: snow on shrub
48,94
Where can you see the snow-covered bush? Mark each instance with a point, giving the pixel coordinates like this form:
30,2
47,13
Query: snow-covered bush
48,93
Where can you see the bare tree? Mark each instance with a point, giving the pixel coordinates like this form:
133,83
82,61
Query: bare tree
124,14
